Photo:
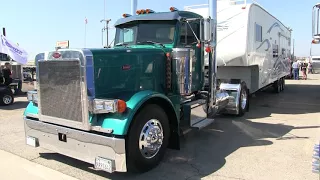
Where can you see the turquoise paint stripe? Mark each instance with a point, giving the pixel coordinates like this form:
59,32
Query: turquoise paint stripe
31,109
118,122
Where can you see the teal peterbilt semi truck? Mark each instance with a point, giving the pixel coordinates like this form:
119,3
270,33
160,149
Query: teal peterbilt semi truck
120,108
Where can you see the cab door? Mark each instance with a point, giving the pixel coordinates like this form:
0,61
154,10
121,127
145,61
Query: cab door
187,39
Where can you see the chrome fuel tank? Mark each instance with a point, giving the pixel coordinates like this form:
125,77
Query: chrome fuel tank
184,69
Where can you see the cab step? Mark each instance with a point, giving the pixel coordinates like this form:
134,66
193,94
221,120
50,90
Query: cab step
202,123
197,126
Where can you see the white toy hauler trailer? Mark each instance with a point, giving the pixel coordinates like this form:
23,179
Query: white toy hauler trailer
253,46
315,60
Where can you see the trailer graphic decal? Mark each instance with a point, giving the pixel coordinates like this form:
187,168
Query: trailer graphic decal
263,42
276,24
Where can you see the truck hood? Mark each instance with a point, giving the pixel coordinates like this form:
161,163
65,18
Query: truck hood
121,72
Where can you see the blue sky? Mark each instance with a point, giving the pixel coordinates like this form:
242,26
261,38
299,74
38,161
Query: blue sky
37,24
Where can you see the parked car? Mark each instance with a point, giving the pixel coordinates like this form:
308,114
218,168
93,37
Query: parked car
6,95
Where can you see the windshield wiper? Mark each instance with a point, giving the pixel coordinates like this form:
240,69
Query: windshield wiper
121,44
151,42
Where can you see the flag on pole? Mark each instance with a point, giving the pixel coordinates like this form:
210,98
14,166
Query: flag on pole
14,51
86,21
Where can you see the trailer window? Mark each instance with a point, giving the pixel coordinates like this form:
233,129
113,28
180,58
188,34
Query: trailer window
275,50
258,33
283,52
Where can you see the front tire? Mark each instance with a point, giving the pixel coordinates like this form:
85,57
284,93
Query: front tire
147,139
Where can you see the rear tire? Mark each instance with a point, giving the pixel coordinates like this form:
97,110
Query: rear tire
147,139
283,84
243,100
277,86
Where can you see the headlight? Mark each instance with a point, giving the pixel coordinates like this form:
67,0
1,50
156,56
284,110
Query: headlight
100,106
104,106
33,96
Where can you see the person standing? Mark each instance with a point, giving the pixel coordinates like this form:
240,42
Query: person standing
295,67
7,74
310,67
304,70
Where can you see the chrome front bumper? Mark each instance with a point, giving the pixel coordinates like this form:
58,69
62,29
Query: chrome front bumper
80,145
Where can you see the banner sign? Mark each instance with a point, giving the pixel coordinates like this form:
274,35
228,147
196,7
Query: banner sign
14,51
62,44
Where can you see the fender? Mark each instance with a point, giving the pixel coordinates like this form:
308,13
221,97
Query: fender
120,123
31,110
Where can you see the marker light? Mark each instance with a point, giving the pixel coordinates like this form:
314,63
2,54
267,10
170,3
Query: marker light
208,49
56,55
315,41
126,15
148,11
173,9
122,106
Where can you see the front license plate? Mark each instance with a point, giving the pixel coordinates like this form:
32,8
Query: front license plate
103,164
31,141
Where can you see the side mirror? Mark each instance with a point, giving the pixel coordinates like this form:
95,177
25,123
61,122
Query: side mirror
315,21
207,29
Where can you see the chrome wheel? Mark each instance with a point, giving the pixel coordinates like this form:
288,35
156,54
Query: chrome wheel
151,138
7,99
244,98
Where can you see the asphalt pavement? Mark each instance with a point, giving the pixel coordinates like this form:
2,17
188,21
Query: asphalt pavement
15,167
273,141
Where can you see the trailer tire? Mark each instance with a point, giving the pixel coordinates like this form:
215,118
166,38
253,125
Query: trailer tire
277,86
283,84
243,100
141,158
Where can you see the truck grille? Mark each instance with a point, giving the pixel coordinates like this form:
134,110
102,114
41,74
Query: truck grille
60,90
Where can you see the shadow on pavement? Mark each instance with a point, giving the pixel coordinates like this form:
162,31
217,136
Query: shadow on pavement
202,153
296,99
16,105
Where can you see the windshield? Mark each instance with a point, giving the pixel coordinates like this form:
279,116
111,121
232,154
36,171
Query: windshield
315,59
155,31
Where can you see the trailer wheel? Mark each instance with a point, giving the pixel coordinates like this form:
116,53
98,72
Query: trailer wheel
243,100
147,139
277,86
283,84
